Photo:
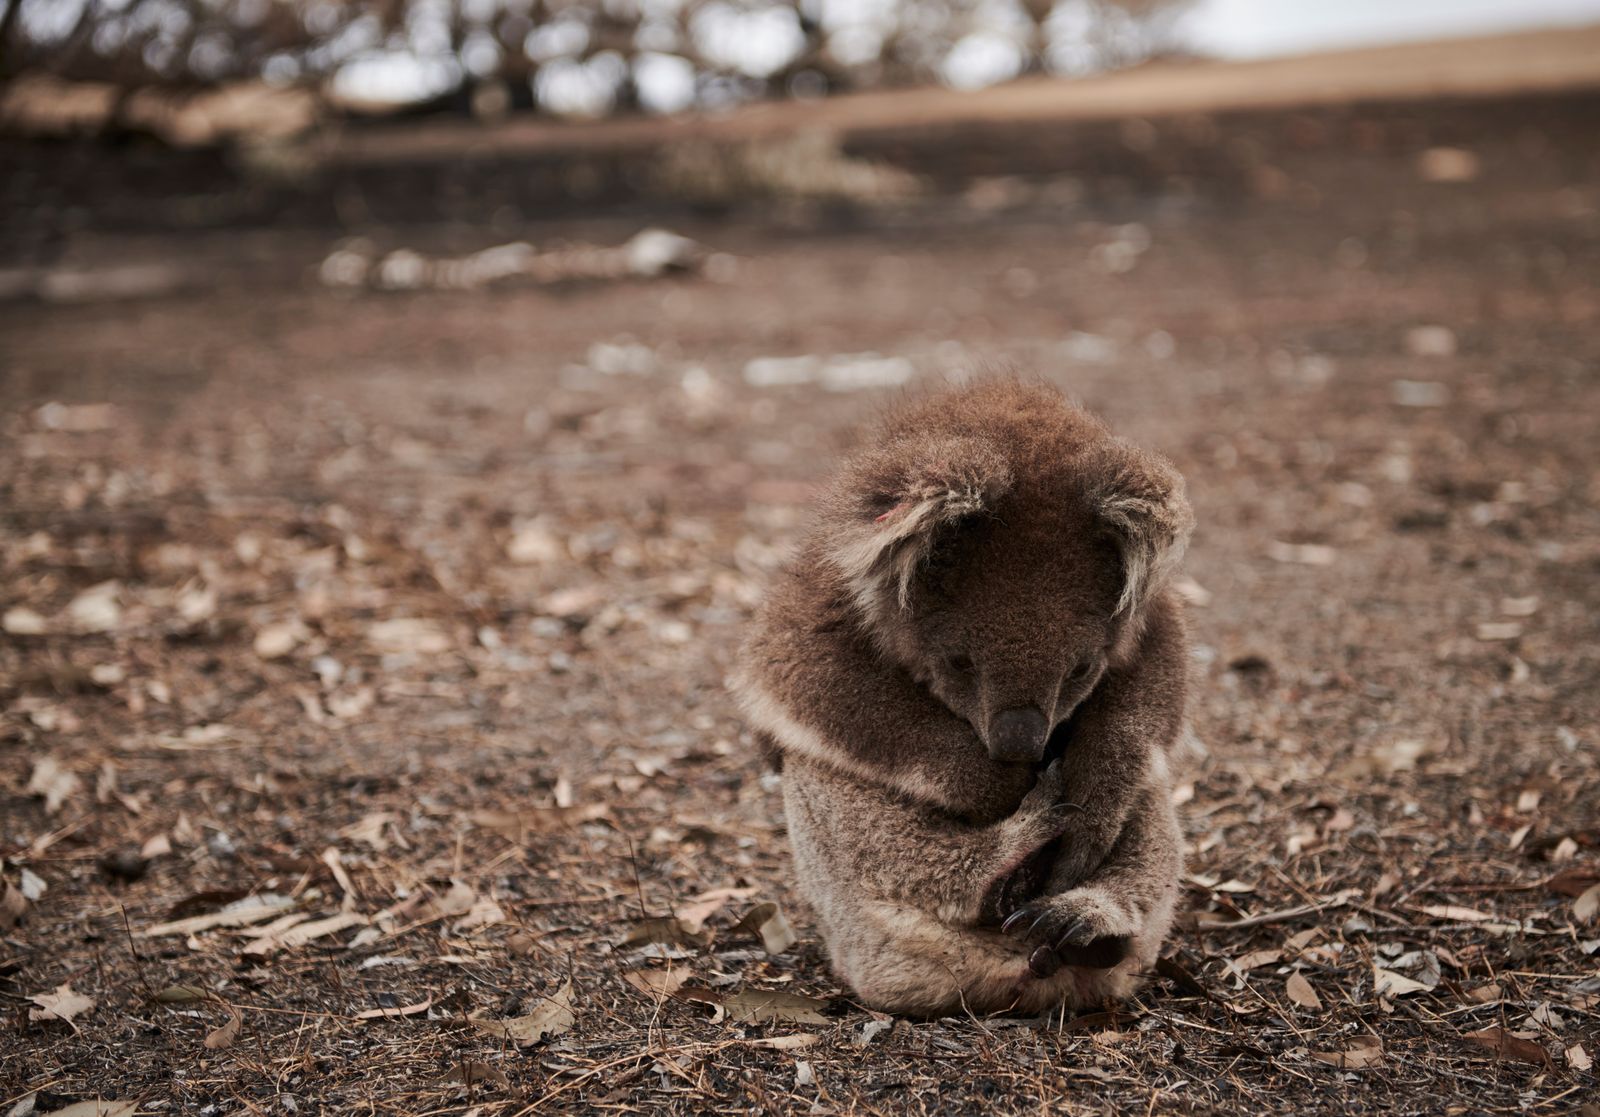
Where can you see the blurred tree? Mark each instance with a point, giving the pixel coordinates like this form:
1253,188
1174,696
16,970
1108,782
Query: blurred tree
585,57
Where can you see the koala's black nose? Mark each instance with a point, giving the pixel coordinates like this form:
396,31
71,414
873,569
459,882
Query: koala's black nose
1018,736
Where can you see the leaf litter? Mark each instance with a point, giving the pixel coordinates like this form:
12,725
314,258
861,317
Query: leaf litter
521,750
61,1004
554,1016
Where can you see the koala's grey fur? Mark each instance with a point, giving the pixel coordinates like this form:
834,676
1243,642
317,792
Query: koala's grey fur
973,679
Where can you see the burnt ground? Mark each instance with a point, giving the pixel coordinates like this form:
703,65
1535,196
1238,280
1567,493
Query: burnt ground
402,620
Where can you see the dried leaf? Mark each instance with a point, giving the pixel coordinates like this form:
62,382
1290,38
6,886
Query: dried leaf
573,601
658,983
1304,554
1586,906
416,635
1255,960
63,1004
767,921
518,825
1363,1052
335,863
1453,913
694,914
553,1017
1387,983
274,641
385,1013
476,1074
761,1006
378,830
96,1108
1302,939
19,620
667,930
1566,849
1578,1059
199,737
521,944
1504,1045
785,1043
458,900
484,912
1399,755
1301,993
871,1030
535,544
1495,631
1423,963
96,609
302,933
52,782
1485,994
223,1037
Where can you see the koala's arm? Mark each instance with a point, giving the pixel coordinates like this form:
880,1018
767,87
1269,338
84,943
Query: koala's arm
814,686
874,845
1123,734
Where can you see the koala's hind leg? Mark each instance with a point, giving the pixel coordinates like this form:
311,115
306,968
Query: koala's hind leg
1124,910
900,959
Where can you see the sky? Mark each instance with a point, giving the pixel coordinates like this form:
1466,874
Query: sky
1263,28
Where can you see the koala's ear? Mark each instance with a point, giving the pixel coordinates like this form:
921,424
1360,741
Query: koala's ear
896,501
1140,499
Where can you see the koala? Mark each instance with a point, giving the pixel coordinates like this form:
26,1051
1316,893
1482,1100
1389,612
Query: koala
973,679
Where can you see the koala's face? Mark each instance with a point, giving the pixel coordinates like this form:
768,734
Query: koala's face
999,544
1011,624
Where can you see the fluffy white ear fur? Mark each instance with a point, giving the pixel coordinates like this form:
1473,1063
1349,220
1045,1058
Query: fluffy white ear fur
1145,508
898,516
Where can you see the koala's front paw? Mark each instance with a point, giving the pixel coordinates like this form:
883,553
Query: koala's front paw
996,794
1086,839
1042,818
1085,927
1029,841
1046,790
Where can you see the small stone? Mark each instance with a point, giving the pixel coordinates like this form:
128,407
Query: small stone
1431,341
19,620
1420,393
1448,164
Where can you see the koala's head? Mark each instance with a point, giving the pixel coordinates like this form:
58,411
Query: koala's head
1001,545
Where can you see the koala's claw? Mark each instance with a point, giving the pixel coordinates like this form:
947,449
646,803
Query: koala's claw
1062,938
1073,934
1044,962
1017,917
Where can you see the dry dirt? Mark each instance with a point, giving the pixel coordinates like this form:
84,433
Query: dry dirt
410,613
